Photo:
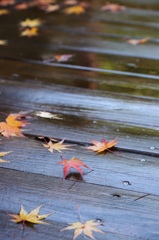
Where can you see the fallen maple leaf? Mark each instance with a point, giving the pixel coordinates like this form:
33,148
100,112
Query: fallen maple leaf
12,126
62,58
51,8
75,163
3,42
70,2
112,7
102,146
56,146
29,32
3,154
137,41
74,10
4,11
31,23
21,6
6,2
86,228
32,217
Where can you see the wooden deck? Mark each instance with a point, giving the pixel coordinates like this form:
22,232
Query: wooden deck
108,89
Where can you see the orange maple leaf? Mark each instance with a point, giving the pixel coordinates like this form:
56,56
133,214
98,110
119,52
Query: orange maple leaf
75,163
12,126
4,11
29,32
102,146
31,23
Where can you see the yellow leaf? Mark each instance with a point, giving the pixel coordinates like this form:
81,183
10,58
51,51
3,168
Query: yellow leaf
74,10
29,32
3,42
31,217
3,154
30,23
52,8
4,11
86,228
56,146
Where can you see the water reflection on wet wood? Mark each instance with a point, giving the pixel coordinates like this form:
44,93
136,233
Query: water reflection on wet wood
106,88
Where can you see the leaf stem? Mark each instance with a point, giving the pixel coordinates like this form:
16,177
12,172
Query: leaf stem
79,213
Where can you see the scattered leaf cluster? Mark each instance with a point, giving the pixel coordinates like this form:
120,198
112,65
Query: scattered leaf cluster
12,128
30,27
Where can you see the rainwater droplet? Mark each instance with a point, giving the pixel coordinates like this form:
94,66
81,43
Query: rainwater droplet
126,183
143,160
152,148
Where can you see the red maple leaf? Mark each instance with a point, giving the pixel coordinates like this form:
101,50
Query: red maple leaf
74,163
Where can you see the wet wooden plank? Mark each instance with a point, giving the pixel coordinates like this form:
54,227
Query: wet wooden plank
56,195
108,89
140,172
120,80
91,115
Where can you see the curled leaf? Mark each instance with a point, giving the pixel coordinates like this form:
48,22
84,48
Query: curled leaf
3,154
102,146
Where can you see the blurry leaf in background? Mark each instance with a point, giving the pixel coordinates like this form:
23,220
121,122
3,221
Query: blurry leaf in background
112,7
137,41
